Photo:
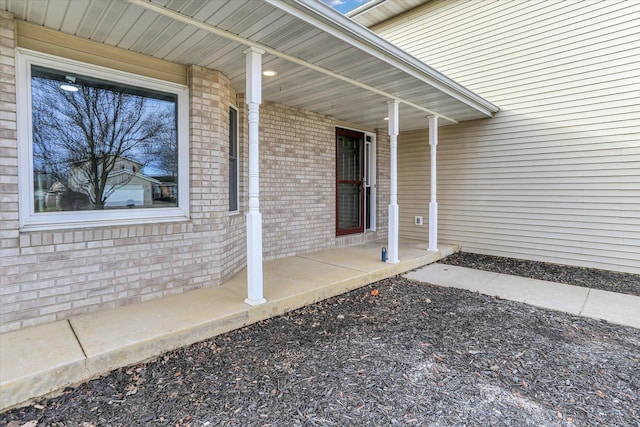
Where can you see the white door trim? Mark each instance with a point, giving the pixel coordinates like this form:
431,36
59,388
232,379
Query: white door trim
371,173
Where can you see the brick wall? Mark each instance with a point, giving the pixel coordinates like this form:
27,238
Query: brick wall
9,221
56,274
234,245
52,275
209,152
383,160
297,185
297,180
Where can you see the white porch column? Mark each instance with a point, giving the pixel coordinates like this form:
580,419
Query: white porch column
433,204
394,210
254,217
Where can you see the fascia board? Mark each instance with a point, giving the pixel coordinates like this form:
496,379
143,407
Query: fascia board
325,18
365,7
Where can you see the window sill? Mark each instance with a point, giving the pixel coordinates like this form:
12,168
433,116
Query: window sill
68,220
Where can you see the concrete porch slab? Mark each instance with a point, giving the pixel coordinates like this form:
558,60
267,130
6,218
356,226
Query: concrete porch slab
294,282
126,335
367,257
39,360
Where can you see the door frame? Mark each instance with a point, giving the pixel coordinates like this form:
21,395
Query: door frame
340,131
371,173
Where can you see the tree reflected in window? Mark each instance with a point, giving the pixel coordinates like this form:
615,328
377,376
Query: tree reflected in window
101,145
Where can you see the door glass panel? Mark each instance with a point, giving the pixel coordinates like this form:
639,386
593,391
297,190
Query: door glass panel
348,206
349,159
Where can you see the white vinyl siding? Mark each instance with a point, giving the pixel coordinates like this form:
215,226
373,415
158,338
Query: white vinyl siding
414,183
555,176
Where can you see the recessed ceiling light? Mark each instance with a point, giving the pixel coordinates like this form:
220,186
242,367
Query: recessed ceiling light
69,84
269,73
68,87
386,118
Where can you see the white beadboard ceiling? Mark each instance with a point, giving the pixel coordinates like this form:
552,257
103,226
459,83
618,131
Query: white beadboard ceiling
326,63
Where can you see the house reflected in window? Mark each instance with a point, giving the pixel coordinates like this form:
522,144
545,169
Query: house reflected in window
104,145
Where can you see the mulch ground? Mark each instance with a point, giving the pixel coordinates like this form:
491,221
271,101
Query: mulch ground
396,352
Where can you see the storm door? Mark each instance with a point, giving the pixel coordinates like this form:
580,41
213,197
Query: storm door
349,182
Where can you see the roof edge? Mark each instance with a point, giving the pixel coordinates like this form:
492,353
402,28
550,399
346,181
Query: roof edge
326,18
364,8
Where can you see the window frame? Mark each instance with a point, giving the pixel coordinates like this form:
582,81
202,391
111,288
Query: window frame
237,158
31,220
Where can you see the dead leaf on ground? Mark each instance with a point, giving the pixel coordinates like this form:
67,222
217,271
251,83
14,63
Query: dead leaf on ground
131,390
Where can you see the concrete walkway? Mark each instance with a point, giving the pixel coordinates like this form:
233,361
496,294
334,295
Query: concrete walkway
43,359
613,307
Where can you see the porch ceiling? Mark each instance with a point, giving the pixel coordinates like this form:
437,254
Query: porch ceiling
326,63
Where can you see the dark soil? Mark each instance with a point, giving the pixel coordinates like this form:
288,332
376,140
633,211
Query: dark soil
623,283
396,352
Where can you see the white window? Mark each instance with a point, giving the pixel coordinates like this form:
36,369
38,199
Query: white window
234,176
98,146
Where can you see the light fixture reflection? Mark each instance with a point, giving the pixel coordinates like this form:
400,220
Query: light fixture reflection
69,85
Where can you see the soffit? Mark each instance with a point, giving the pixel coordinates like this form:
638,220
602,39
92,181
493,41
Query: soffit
321,43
